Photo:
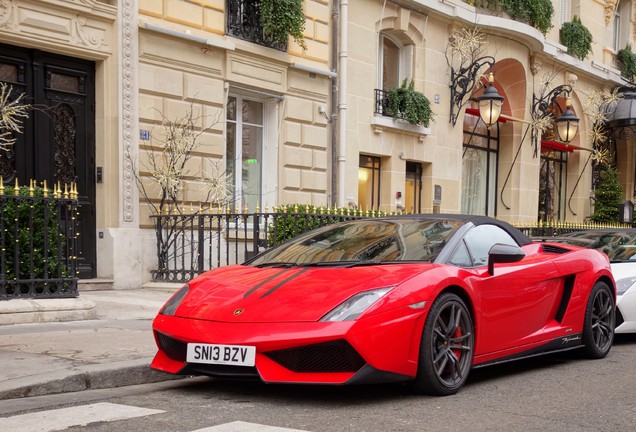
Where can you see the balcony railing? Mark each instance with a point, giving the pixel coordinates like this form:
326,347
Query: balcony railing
37,245
243,22
381,103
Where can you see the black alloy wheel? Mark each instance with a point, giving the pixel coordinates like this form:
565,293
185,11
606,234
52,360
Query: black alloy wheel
447,348
598,328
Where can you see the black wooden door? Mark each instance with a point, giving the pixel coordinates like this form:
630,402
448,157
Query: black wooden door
58,143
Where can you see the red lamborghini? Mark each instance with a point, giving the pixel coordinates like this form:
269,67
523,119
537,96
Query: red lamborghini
421,298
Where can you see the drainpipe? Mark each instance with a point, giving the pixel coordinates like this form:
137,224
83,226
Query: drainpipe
342,103
334,105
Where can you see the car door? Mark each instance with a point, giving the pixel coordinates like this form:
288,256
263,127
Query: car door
517,301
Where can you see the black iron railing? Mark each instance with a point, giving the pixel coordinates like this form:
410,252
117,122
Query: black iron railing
37,245
381,102
188,245
244,22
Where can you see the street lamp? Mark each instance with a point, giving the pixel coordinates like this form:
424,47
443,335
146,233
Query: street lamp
463,82
567,123
490,103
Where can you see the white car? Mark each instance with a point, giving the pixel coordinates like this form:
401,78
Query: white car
620,246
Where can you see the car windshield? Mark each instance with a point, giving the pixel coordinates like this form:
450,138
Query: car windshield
364,242
619,246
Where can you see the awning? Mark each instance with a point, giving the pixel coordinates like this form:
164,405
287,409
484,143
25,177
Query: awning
560,146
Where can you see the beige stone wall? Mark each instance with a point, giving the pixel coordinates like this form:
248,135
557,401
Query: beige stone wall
176,74
524,58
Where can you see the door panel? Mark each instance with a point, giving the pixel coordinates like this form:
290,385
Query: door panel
517,303
58,143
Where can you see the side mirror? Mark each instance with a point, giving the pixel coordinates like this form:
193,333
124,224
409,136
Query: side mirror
503,253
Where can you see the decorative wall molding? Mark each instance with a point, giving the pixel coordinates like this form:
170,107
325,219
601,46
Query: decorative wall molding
6,14
610,7
128,126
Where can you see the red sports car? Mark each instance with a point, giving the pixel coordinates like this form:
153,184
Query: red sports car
421,298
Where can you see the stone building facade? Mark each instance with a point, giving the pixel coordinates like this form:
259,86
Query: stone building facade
306,124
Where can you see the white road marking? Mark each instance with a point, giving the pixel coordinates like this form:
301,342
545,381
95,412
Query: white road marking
63,418
239,426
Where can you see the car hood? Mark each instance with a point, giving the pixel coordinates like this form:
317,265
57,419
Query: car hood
250,294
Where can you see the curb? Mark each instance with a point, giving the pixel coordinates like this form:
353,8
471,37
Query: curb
110,375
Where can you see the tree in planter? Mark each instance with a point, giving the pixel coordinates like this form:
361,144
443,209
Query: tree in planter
608,197
627,61
283,18
576,37
164,173
407,104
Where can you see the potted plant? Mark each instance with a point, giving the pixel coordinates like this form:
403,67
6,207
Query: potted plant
576,37
283,18
405,103
626,60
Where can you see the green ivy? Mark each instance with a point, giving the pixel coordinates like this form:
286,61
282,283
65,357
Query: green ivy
576,37
628,62
407,104
32,224
609,194
283,18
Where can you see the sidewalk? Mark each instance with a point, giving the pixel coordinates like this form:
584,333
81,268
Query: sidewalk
113,350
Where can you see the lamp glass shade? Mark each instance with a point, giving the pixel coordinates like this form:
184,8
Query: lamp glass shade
490,110
567,124
490,103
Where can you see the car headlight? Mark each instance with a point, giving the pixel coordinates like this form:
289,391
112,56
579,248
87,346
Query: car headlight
171,306
622,285
351,308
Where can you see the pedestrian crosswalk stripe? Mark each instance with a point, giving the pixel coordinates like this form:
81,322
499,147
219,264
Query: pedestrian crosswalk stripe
239,426
63,418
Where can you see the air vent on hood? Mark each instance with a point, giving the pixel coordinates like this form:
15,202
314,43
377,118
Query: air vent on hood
554,249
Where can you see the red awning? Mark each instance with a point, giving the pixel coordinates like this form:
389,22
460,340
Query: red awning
475,112
558,146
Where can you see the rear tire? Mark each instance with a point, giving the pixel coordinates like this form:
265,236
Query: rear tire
447,347
598,327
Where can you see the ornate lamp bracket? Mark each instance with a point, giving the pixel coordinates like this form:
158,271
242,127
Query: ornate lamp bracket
463,82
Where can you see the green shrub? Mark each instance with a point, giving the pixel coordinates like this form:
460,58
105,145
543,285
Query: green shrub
628,62
31,224
283,18
609,195
537,13
576,37
406,103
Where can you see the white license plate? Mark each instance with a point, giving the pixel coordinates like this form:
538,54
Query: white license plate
237,355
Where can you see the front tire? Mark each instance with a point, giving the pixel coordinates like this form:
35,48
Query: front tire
598,327
447,347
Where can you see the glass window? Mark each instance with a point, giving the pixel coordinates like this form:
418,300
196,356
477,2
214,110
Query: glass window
479,167
461,257
391,53
369,183
413,187
244,153
552,185
480,239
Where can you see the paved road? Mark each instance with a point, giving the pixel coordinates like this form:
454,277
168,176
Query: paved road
554,393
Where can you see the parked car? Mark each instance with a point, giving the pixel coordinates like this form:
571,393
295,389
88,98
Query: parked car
419,298
620,246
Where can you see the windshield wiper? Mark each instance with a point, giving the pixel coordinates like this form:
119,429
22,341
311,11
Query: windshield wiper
277,264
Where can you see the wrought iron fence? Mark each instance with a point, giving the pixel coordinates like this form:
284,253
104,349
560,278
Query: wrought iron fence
37,242
189,244
381,102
